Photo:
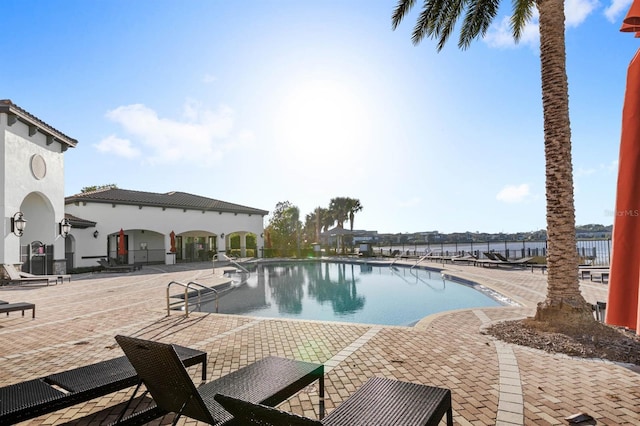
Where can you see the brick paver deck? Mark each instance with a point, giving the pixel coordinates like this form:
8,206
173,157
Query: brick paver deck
492,382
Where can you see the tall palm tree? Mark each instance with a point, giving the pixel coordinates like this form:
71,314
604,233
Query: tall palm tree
326,218
354,207
563,302
339,208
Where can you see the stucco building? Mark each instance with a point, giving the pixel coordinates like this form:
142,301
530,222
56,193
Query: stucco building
154,228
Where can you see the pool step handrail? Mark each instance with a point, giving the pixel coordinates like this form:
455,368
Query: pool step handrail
192,285
233,262
427,254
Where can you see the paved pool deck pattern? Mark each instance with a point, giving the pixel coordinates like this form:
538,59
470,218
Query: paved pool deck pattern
492,383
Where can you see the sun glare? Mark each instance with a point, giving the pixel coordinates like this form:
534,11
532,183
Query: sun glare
321,119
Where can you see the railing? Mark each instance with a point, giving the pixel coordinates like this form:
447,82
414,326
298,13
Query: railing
593,251
233,262
192,285
421,259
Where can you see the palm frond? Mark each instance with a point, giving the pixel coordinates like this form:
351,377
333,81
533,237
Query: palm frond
400,11
480,14
522,13
451,12
430,20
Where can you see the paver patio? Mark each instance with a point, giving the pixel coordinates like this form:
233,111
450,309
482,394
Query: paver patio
492,382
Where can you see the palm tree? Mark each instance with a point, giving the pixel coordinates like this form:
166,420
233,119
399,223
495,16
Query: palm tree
339,208
326,218
354,207
563,302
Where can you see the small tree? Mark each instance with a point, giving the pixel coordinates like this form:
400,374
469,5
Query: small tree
284,227
98,187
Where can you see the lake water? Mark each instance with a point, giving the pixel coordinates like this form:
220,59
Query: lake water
345,292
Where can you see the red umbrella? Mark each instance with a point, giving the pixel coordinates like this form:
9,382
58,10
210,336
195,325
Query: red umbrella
172,235
122,250
624,283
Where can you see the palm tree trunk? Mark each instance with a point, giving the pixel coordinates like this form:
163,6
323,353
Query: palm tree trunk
563,290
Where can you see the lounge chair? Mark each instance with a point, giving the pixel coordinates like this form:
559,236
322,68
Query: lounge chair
109,267
522,261
20,306
58,277
378,402
269,381
467,258
33,398
15,278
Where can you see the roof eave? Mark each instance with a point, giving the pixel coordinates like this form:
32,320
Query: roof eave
16,113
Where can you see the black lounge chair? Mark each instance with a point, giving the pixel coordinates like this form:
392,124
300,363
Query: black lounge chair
522,261
269,381
378,402
33,398
110,267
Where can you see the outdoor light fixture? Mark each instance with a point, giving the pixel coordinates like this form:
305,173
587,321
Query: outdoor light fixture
18,223
95,234
262,235
222,235
65,227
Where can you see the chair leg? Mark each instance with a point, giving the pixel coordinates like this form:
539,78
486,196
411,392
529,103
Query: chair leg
124,410
179,413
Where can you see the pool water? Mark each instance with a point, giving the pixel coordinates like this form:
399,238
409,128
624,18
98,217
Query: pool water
345,292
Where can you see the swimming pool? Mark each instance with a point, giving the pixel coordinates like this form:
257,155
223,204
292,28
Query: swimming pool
346,292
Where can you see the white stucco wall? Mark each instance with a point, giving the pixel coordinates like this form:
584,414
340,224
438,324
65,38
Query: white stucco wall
23,191
133,219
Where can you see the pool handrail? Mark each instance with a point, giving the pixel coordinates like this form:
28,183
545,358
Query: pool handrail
422,258
187,287
233,262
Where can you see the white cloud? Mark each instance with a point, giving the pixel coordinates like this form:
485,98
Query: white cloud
617,8
500,35
117,146
576,11
200,136
514,193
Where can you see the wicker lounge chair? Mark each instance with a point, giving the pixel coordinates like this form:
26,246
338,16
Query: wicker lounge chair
33,398
269,381
378,402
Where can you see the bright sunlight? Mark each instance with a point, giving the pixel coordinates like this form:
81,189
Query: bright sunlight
322,121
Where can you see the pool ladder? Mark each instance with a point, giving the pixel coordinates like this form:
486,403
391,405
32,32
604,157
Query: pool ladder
192,285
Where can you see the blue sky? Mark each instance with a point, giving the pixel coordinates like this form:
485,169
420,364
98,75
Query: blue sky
257,102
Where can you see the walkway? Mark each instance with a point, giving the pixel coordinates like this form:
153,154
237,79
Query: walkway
491,382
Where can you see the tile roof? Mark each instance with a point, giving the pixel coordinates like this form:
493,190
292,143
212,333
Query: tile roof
77,222
178,200
8,107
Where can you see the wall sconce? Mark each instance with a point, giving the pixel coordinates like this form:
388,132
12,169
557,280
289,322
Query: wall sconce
95,234
65,227
262,235
222,235
18,223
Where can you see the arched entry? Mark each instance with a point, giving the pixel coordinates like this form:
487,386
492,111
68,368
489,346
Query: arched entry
39,236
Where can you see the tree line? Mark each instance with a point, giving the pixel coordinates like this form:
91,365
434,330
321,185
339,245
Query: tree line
288,234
